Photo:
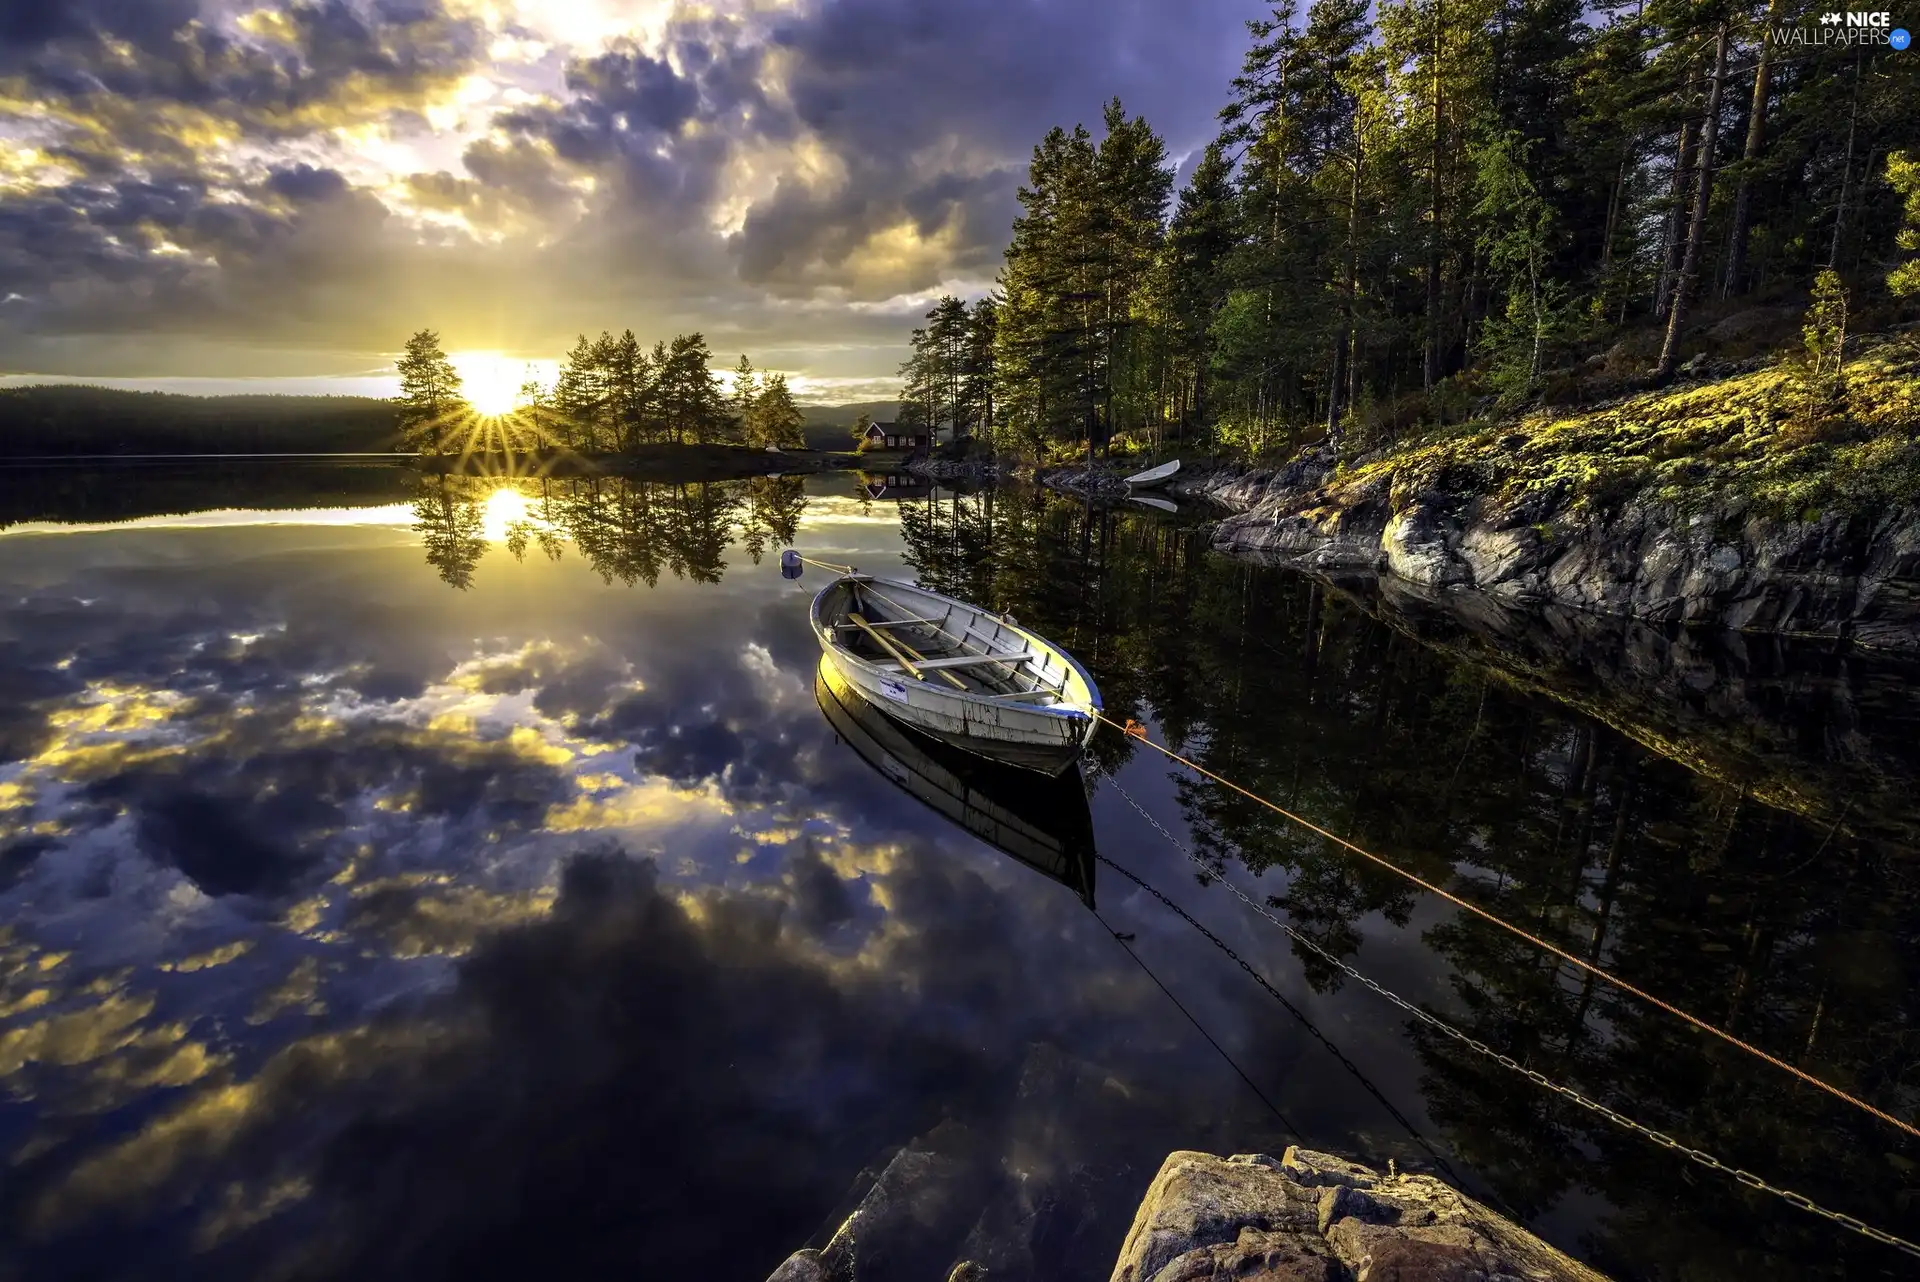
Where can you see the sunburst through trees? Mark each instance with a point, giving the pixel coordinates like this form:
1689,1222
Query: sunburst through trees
610,396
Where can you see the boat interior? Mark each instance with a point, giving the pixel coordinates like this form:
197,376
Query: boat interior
945,643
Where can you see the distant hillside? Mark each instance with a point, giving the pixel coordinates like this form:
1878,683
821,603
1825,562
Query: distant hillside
53,420
830,427
61,419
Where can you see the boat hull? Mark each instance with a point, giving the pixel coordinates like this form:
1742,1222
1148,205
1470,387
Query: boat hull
1154,476
1043,823
1032,739
1040,734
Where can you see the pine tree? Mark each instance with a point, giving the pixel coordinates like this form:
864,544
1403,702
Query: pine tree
429,390
628,382
1517,239
977,367
1824,344
1192,282
744,402
778,421
944,354
1134,183
575,396
693,404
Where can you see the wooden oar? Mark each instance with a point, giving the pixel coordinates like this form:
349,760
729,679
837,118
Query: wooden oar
910,658
1012,664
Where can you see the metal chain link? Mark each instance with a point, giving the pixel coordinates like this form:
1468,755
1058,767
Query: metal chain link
1439,1025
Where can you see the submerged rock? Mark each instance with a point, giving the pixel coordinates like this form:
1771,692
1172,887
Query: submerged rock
1312,1217
910,1221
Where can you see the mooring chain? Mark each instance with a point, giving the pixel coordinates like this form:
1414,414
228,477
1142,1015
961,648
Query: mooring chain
1433,1021
1292,1009
1134,730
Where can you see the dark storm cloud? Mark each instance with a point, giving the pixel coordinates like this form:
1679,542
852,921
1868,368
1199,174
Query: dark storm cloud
614,1085
318,64
935,108
306,183
28,27
864,149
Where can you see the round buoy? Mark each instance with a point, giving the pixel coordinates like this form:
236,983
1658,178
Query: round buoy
789,564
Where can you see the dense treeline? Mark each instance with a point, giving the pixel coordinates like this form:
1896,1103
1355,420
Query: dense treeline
54,420
1416,205
612,395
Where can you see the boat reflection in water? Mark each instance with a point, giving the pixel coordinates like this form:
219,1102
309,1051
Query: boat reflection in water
1041,820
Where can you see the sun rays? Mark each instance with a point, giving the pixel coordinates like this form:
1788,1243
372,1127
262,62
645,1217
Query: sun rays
491,382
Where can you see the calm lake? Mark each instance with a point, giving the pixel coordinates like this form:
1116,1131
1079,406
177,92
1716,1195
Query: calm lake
425,878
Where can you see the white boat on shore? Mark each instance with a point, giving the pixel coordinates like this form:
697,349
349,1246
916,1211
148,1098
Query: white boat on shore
967,676
1154,476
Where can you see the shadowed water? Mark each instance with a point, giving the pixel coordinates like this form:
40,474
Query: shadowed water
429,877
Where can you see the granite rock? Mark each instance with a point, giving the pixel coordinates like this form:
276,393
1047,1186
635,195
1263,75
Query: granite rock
1313,1217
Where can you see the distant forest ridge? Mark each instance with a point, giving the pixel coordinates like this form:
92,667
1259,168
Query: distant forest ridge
53,420
61,419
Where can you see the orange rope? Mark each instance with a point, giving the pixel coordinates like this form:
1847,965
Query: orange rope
1133,729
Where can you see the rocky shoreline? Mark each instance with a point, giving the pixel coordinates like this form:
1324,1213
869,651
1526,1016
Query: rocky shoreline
1304,1217
1837,576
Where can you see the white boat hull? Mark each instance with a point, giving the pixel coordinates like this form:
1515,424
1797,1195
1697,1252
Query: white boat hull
1041,733
1154,476
1042,822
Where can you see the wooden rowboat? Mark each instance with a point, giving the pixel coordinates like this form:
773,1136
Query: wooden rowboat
1042,822
1153,475
966,676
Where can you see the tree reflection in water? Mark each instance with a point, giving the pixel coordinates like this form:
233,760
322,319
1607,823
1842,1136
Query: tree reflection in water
628,530
1587,817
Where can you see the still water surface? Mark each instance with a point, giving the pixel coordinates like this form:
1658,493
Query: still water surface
423,879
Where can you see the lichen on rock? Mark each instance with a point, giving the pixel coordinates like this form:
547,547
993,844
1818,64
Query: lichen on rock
1313,1217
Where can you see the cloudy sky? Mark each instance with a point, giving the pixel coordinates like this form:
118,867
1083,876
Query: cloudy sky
204,190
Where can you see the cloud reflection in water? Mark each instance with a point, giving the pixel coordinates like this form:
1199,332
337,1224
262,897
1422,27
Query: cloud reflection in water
362,931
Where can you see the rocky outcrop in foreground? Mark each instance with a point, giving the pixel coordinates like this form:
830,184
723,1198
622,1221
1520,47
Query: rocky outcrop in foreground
1310,1217
1305,1217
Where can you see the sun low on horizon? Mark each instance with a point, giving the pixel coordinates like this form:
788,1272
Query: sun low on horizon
491,381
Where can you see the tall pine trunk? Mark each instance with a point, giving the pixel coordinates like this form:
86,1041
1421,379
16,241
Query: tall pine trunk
1846,172
1343,343
1612,225
1738,233
1697,223
1671,247
1430,367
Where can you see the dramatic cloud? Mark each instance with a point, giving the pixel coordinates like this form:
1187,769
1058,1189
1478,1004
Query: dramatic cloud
215,188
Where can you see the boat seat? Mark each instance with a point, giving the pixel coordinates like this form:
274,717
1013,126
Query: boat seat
1023,696
887,623
968,661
